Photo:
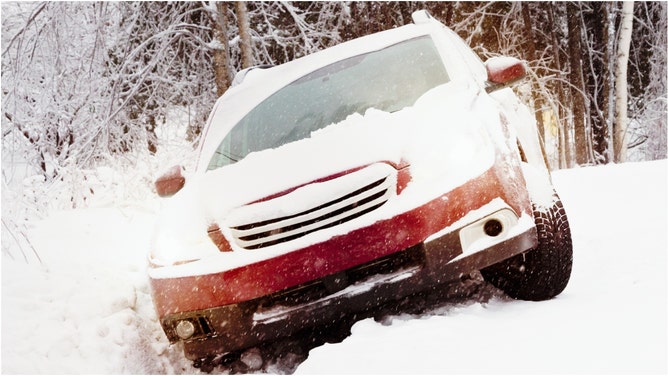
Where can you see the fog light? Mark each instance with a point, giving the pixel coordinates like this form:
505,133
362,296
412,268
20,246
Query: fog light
185,329
488,231
493,227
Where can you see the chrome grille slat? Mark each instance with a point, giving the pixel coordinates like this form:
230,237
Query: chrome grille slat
321,208
307,228
330,208
359,201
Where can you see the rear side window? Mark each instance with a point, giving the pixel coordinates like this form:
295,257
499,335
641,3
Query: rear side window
388,79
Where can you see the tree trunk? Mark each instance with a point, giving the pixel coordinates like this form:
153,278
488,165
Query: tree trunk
621,84
244,35
531,55
576,79
564,138
221,55
599,81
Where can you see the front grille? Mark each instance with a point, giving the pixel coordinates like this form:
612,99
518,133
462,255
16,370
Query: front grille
355,197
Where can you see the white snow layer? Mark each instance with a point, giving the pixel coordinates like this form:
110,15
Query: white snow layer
436,132
87,309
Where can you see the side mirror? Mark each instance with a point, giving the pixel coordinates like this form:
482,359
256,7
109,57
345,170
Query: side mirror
502,71
170,182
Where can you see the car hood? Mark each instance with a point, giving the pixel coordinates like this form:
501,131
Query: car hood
443,128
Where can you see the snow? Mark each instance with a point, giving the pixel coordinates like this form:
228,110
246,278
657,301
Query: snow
415,134
497,63
87,309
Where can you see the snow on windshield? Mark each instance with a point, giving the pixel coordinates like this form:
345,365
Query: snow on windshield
260,84
389,80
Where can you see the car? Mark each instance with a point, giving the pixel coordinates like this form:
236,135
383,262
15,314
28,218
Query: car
386,166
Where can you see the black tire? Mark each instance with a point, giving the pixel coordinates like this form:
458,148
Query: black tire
543,272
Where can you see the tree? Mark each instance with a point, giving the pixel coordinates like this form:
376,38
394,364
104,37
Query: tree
245,44
220,47
284,31
53,85
578,90
563,139
621,87
531,55
598,77
161,62
648,99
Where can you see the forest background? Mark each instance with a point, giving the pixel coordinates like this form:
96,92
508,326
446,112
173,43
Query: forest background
88,88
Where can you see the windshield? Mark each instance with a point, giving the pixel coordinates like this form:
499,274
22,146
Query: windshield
388,79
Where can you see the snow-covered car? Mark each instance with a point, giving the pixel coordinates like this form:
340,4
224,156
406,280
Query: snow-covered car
379,168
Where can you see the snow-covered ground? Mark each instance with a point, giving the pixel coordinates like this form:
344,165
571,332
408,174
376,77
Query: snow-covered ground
86,307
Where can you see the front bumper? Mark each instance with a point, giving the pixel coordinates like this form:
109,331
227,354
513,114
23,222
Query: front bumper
322,302
414,251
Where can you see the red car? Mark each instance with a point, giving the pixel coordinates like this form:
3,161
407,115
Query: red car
376,169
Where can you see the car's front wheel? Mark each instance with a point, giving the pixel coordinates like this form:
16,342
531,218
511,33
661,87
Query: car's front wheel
543,272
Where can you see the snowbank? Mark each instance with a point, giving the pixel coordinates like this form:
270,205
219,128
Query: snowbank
86,308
